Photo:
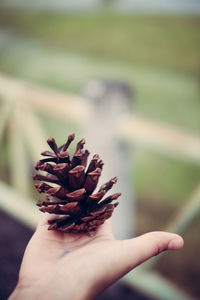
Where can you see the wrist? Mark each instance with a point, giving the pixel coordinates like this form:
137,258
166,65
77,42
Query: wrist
22,292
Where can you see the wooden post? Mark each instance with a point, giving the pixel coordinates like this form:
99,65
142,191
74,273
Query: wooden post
110,102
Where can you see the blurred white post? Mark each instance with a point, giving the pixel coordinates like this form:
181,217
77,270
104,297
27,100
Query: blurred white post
111,101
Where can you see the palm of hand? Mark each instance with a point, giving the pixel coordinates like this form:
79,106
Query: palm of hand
50,253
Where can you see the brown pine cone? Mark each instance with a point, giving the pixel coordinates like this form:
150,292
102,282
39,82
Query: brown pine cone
72,197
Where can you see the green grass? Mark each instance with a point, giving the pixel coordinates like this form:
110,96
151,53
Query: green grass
169,42
157,55
158,94
164,178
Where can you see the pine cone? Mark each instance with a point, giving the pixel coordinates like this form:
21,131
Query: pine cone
72,197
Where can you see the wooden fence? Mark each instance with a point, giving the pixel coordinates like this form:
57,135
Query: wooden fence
20,103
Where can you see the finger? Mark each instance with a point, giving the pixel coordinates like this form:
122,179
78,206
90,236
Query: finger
137,250
43,221
42,227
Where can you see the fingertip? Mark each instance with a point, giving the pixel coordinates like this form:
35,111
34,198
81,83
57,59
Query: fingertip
43,220
176,243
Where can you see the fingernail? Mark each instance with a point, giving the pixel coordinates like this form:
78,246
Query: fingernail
174,244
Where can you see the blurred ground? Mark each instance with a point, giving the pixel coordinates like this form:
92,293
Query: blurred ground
14,237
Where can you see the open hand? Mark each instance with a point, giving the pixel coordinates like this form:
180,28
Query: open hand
62,266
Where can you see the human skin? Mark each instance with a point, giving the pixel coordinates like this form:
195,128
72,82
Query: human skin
62,266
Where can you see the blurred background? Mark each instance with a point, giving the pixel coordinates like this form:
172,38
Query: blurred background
125,75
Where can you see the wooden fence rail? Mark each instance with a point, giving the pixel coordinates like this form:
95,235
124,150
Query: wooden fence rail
147,133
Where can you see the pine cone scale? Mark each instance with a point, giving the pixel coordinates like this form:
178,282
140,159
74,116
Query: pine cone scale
77,195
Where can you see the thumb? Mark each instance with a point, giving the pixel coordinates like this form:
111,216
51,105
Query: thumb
137,250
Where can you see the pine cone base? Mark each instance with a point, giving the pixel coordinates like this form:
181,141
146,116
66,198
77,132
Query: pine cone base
72,199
